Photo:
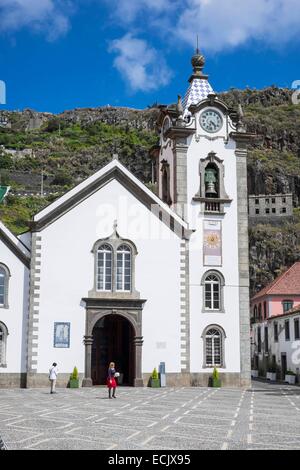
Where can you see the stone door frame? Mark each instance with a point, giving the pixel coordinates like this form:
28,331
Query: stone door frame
131,310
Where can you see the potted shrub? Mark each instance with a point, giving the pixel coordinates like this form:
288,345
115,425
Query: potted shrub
216,381
74,379
290,377
271,373
154,380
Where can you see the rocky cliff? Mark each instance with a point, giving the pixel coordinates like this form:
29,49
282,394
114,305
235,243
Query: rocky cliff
72,145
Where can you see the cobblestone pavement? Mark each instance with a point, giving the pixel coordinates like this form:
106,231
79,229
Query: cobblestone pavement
263,417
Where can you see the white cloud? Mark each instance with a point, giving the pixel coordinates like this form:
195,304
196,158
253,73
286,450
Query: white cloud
221,24
45,16
128,10
140,65
231,23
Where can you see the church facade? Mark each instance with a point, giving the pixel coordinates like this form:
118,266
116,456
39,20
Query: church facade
111,271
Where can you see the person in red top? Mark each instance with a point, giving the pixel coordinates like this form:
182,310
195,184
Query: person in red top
111,381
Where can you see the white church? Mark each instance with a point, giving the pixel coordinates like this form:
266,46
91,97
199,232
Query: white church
112,272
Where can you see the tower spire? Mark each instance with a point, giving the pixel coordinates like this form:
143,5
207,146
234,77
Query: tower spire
198,62
199,87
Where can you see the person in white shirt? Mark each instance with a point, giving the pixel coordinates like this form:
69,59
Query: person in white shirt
53,371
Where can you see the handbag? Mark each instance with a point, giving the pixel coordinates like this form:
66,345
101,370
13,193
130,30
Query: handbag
117,374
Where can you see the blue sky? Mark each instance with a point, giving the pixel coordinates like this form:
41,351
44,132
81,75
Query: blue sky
63,54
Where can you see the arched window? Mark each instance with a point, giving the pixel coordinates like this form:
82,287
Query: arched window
114,267
3,339
213,347
213,291
104,268
4,279
123,268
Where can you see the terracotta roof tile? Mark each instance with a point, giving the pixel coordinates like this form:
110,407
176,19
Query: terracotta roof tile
288,283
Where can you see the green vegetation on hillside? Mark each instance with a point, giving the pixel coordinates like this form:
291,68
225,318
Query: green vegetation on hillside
73,145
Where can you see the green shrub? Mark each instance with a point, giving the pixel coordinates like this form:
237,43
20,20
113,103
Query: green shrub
215,374
62,178
290,372
6,161
154,374
74,375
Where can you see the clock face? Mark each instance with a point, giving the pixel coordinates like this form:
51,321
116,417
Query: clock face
211,120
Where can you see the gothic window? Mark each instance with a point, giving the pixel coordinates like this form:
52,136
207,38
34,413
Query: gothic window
123,268
104,268
213,283
214,338
4,280
114,266
3,340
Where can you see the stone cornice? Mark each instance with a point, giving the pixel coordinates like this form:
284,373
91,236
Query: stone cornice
242,138
17,251
175,132
114,304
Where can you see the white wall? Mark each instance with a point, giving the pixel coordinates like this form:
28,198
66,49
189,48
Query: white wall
15,317
290,347
229,320
67,270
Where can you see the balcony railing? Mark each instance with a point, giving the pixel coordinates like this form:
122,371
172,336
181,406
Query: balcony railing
212,206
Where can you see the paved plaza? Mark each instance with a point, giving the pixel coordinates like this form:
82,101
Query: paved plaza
263,417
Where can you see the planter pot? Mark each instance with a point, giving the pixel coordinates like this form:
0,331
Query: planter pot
291,379
216,383
155,383
254,373
271,376
74,383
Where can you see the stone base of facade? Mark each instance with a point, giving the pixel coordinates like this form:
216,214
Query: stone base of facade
12,380
30,380
228,379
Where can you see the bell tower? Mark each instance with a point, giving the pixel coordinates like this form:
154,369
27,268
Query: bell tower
202,175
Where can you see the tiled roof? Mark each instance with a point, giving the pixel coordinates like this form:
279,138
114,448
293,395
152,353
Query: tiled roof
198,90
288,283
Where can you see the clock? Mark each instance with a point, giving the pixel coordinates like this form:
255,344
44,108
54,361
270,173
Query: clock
211,121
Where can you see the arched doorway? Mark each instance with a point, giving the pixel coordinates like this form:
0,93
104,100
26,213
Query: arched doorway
113,341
